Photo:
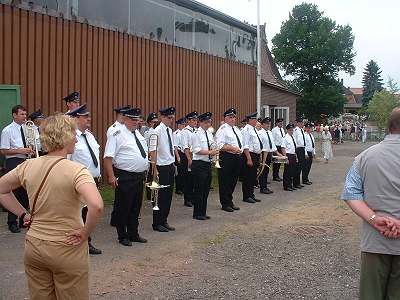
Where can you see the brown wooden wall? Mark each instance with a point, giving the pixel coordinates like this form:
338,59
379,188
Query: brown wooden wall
51,57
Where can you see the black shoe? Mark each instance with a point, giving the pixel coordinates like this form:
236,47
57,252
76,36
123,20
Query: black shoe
14,228
93,250
160,228
227,208
307,183
207,217
255,199
249,200
188,204
266,191
179,192
288,189
299,186
277,179
138,239
125,242
200,218
170,228
234,207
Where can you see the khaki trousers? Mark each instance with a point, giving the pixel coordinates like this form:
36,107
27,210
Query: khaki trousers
55,270
380,277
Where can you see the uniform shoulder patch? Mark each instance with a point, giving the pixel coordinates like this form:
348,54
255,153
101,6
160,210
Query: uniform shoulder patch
114,125
115,133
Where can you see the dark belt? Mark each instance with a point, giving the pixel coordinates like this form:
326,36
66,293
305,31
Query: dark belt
228,153
127,174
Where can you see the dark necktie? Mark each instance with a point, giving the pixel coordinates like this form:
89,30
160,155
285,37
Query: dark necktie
294,143
237,138
259,140
208,144
95,162
170,143
280,129
304,139
23,136
140,146
269,140
312,141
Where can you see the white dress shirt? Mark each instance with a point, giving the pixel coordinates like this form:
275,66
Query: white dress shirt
114,127
310,141
178,140
11,138
278,134
287,143
225,135
299,136
126,155
164,155
200,142
264,134
147,135
251,139
186,137
82,154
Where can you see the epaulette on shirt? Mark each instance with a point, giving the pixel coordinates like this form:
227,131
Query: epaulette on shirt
114,125
116,132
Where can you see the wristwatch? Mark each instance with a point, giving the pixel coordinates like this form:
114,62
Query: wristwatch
372,218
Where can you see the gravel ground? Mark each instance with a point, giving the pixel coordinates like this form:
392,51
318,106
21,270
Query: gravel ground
301,245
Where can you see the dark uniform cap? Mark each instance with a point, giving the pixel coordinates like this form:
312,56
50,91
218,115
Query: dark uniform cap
252,116
205,117
36,115
289,126
73,97
151,117
180,121
244,121
119,110
192,115
79,111
279,120
230,112
132,113
309,124
168,111
299,120
259,120
266,120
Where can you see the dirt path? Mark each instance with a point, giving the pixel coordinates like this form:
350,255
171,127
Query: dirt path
301,245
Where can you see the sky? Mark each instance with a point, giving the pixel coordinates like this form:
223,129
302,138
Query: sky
375,25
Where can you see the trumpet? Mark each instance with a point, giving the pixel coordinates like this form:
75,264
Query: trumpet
263,164
154,185
30,137
216,160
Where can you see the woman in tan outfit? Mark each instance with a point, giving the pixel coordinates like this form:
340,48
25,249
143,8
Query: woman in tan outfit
56,251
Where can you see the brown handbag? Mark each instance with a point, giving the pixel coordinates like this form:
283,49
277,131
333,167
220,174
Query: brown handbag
41,186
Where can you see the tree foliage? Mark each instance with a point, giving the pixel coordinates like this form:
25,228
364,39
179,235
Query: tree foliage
313,49
372,81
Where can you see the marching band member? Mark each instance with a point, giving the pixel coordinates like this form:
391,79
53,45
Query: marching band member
179,178
87,152
186,135
125,162
201,166
13,147
72,101
152,121
300,139
278,133
288,148
252,146
119,122
164,157
310,150
231,159
37,118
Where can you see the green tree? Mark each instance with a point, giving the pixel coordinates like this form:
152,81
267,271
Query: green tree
313,49
372,81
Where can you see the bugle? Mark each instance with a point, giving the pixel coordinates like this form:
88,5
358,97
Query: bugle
280,159
263,164
30,137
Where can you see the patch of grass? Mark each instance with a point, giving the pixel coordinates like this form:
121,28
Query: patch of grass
214,180
107,193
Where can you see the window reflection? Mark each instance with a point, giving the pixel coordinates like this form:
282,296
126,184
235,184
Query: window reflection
184,25
202,35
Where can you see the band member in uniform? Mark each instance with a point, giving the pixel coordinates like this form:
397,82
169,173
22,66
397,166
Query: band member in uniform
310,150
164,156
87,153
186,136
119,121
73,101
37,118
13,147
201,166
231,160
125,163
179,178
288,148
300,139
252,146
278,133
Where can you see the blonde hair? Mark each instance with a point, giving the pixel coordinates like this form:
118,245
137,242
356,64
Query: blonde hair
57,131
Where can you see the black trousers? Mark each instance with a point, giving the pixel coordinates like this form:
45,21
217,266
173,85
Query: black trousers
201,170
128,202
289,171
307,166
228,176
250,175
85,210
264,175
187,180
166,177
19,193
300,165
179,179
276,167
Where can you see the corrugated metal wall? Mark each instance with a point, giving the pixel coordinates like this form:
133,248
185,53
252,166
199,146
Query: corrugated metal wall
51,57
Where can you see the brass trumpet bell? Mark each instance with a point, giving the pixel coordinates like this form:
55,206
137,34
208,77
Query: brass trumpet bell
153,185
217,165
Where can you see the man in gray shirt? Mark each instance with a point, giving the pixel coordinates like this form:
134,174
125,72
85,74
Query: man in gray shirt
372,191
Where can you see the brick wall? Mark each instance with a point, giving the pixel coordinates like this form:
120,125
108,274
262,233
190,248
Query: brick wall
277,97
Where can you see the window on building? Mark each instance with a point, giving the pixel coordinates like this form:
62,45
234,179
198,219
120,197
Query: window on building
220,40
184,30
202,33
279,112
